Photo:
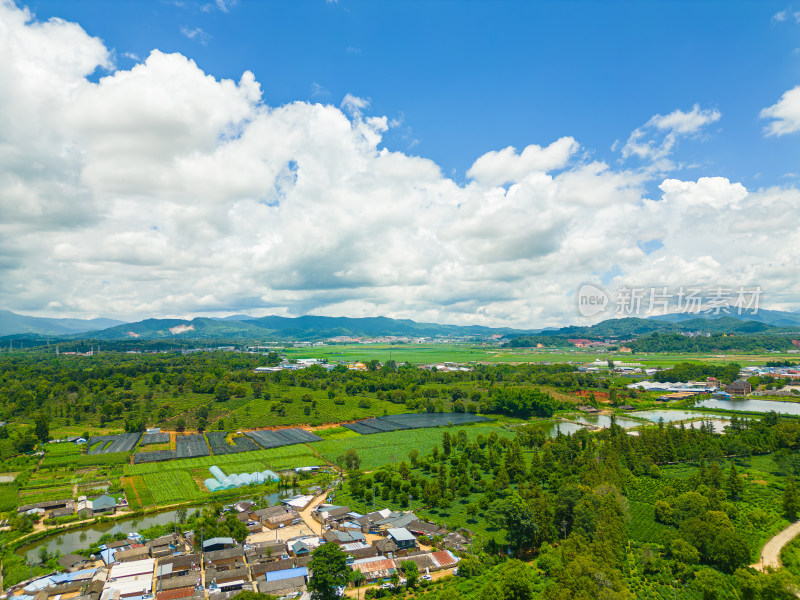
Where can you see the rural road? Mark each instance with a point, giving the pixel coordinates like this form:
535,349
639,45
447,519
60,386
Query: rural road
771,552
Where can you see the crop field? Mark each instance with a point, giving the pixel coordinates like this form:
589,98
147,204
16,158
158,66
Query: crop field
642,526
154,438
31,496
109,444
85,460
412,421
393,446
281,437
259,412
190,446
154,456
136,492
62,449
178,487
219,445
275,459
465,353
8,496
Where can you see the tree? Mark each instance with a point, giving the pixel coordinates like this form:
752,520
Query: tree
730,551
328,566
42,427
517,578
523,530
710,583
791,499
470,566
357,577
734,483
411,571
222,392
490,591
350,460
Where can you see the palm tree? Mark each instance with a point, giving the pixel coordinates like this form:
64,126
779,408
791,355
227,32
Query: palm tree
357,577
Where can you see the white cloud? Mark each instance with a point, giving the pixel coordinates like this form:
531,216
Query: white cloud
319,90
499,167
785,114
781,16
354,104
159,190
657,138
224,5
195,33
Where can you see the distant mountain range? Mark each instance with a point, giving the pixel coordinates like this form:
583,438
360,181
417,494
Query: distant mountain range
776,318
245,327
14,324
300,328
633,327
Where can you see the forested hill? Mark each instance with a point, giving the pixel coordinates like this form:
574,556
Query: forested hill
311,327
273,327
651,335
14,324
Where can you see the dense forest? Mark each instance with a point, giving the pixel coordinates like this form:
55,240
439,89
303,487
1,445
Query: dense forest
576,508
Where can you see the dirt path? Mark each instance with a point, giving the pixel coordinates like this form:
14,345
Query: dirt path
305,514
135,491
771,552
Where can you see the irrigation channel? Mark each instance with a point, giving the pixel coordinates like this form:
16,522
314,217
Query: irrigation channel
84,537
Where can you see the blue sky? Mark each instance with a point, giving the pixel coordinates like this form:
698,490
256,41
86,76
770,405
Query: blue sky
462,162
469,77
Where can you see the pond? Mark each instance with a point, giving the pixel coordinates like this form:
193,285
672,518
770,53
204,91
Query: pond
76,539
759,406
605,421
670,416
551,428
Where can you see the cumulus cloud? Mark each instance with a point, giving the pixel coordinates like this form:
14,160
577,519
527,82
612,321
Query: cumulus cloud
497,168
656,139
160,190
785,114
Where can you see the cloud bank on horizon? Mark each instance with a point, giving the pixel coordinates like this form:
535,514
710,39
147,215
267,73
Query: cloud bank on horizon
160,190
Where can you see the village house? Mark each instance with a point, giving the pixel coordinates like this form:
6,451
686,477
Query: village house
740,387
134,553
104,505
218,543
178,566
73,562
402,537
223,560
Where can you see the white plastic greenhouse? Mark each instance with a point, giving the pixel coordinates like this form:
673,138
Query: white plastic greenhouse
220,481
